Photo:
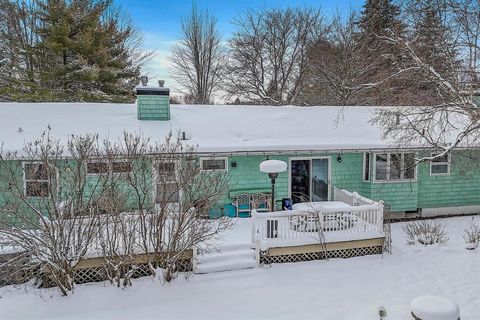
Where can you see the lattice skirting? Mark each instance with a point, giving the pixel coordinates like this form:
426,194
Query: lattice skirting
98,274
343,253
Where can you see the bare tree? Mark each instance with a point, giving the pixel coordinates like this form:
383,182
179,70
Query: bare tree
335,66
198,58
268,56
451,123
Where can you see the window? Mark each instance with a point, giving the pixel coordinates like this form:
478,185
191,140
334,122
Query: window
381,166
167,188
102,167
214,164
440,165
394,166
97,168
366,166
409,165
36,179
121,167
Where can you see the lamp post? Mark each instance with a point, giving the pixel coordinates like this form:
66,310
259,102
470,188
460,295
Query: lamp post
273,167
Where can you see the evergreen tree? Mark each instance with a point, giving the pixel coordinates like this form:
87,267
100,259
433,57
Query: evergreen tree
433,46
432,41
82,50
379,18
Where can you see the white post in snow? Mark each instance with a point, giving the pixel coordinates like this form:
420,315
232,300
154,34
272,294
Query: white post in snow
381,208
254,224
194,259
355,199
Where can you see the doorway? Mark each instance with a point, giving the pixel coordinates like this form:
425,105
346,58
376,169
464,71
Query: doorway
309,179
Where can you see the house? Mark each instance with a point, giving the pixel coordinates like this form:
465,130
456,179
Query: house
324,147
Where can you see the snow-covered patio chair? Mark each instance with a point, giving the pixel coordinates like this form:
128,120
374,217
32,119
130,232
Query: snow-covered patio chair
261,202
243,205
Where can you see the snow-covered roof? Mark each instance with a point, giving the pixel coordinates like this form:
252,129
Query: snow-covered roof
211,128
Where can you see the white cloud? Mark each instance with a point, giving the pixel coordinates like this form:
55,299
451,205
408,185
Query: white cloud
158,67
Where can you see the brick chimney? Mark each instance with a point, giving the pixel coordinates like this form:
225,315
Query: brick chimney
153,103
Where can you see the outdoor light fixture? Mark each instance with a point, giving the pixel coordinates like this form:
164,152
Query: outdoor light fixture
273,168
339,159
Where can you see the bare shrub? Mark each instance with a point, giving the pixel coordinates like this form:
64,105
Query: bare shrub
425,232
46,205
64,204
472,235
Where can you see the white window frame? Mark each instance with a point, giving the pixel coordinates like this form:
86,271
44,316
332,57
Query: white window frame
448,164
402,170
225,159
24,163
155,177
365,167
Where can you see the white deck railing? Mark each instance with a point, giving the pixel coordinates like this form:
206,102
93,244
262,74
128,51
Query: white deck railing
351,198
295,227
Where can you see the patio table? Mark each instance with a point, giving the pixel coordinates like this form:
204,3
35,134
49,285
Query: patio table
317,206
331,221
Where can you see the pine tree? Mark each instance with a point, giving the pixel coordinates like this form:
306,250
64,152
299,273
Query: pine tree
379,18
83,50
432,40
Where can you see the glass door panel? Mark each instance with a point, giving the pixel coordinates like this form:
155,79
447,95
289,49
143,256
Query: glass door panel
319,180
300,181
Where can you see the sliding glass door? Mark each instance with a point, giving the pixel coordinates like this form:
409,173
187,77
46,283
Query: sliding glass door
319,180
309,180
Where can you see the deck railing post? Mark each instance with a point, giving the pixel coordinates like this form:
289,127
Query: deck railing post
380,223
254,225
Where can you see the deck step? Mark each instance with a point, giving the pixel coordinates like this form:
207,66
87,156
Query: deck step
229,247
226,258
219,256
226,265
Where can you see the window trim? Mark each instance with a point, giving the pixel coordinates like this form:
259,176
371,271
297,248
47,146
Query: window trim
364,169
448,163
225,159
388,153
24,163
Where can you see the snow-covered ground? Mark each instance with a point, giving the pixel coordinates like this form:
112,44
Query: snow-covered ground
337,289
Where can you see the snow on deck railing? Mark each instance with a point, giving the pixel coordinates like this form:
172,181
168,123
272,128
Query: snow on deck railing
316,225
351,198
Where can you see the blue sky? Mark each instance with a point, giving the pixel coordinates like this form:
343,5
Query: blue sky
160,21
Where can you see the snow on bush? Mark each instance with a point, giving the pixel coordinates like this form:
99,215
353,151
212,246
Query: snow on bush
434,308
425,232
472,235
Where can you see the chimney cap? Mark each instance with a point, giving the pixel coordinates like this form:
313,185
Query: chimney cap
144,89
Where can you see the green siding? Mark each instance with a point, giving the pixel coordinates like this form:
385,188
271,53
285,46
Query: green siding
461,187
247,178
400,196
152,107
347,174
